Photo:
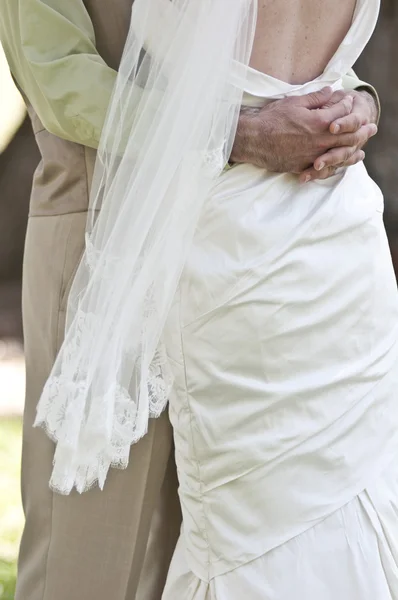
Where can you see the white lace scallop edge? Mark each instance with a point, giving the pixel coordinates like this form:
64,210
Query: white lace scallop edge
89,443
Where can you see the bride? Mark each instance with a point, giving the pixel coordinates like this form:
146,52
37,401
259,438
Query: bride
262,309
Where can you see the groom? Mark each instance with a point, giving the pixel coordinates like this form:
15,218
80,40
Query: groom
116,544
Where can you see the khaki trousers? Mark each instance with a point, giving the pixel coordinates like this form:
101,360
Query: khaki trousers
110,545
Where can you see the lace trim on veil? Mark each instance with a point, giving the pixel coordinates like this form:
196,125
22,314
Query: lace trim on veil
113,418
167,137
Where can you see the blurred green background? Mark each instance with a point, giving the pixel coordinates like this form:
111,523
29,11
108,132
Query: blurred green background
18,159
11,516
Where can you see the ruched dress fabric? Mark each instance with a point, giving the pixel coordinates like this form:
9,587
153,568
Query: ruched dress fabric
284,343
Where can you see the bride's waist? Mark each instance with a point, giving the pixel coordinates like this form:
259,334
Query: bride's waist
249,199
260,89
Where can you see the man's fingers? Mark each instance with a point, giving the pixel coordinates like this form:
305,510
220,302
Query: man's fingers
357,157
358,139
337,97
326,173
337,111
312,174
334,157
329,171
349,124
316,99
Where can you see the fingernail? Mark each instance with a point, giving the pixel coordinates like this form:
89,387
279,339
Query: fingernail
306,179
335,128
320,166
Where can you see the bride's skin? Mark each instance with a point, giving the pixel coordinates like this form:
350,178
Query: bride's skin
294,41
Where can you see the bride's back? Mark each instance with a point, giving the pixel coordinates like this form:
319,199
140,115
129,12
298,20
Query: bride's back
295,39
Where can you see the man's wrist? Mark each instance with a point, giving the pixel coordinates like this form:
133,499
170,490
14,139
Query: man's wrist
250,129
373,102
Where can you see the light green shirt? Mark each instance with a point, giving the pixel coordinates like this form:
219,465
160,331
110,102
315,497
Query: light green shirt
50,47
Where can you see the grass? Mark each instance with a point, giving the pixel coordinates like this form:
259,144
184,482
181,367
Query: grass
11,516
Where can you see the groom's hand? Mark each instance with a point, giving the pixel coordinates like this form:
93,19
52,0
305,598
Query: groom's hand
365,111
289,135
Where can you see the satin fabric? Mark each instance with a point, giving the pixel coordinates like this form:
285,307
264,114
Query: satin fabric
284,342
351,555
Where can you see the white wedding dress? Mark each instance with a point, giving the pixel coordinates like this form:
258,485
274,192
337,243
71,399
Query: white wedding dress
283,336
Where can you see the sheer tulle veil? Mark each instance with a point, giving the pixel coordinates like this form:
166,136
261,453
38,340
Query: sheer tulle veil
167,137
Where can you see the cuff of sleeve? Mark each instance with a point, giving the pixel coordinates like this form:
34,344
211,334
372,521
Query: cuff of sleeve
353,83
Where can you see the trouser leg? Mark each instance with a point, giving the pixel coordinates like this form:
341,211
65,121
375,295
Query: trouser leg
96,545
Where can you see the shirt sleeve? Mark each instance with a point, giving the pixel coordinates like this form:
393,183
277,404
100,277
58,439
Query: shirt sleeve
352,82
50,47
